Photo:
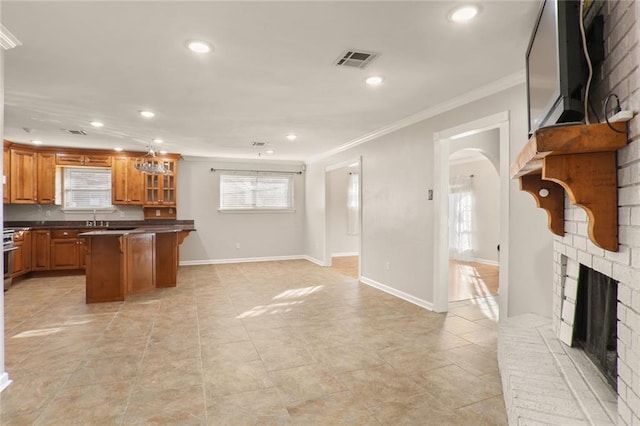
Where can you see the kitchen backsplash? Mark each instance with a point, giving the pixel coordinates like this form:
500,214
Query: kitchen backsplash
30,212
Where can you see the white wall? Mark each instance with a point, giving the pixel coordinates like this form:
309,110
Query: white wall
260,235
397,171
340,242
485,185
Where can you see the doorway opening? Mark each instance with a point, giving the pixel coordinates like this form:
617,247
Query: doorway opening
449,141
474,225
343,216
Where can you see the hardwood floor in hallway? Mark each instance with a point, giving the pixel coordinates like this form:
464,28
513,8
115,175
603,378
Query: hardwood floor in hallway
348,265
247,344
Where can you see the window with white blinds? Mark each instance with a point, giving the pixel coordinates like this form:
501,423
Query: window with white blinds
256,192
87,188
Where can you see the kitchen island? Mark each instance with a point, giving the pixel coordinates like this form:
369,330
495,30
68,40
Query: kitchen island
129,261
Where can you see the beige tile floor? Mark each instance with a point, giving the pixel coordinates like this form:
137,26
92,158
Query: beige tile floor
263,343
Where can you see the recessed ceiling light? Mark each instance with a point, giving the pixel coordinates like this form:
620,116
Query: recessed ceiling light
198,46
157,140
269,151
117,148
374,80
96,123
146,113
291,137
36,142
464,13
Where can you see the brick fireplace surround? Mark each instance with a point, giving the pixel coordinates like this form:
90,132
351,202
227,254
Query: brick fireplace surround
545,381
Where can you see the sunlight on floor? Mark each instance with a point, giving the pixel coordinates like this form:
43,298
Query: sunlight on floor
488,306
282,307
298,292
475,283
38,333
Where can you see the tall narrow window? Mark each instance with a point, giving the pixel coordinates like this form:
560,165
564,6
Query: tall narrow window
256,192
353,204
461,217
87,188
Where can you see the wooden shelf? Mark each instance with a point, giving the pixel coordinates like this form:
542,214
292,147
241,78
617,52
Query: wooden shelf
581,161
573,139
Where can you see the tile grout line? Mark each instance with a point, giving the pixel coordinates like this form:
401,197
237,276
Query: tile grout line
144,354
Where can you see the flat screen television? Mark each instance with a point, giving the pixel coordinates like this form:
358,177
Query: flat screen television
556,69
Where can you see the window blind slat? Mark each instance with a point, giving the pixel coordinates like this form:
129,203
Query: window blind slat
255,192
87,188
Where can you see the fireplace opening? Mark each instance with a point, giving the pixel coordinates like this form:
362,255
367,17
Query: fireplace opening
595,327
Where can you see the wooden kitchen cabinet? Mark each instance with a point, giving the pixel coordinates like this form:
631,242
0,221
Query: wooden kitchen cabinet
160,190
6,184
46,178
66,249
31,175
118,265
40,250
24,179
92,160
22,254
127,183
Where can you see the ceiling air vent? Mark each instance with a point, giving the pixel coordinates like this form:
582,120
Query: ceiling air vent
75,132
356,59
254,143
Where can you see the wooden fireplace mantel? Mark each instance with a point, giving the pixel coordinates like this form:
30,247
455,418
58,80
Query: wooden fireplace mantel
581,161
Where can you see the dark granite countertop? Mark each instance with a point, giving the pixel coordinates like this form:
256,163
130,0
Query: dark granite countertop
157,229
102,225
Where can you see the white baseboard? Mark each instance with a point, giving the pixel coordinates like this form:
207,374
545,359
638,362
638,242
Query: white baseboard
347,254
241,260
4,381
486,261
394,292
316,261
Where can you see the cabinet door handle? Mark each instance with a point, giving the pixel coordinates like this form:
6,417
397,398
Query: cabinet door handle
65,233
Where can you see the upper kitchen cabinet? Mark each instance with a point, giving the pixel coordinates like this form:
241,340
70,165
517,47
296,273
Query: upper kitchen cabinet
24,179
31,175
46,177
6,184
127,183
87,160
160,189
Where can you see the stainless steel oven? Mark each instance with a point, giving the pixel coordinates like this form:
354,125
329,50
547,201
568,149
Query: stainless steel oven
7,247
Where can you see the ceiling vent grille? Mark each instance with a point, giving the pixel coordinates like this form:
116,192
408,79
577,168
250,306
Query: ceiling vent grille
254,143
75,132
356,58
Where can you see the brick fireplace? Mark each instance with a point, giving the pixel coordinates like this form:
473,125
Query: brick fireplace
531,347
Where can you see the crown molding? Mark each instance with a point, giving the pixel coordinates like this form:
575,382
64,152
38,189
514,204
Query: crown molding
8,40
474,95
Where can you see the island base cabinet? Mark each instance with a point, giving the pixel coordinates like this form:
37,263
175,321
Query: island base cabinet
119,265
167,255
140,262
105,270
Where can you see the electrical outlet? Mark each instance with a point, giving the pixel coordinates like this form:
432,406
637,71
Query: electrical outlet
237,246
47,213
121,214
158,212
387,266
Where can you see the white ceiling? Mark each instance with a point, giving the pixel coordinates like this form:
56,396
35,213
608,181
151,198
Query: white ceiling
272,71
